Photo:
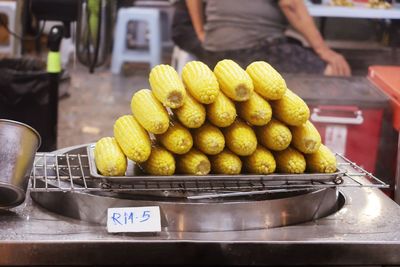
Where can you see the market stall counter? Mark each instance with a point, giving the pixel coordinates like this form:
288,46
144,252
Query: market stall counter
362,229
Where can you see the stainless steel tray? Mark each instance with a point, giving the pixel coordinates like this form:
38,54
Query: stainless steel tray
134,174
70,171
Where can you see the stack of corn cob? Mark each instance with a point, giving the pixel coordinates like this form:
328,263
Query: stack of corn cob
226,121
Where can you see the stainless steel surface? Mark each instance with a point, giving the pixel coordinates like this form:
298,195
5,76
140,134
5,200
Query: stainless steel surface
238,214
179,213
18,145
60,180
365,231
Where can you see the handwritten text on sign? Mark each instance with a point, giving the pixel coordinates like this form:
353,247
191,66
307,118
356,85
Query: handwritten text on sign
133,219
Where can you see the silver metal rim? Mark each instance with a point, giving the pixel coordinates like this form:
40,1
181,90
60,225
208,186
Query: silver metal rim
18,200
27,126
327,203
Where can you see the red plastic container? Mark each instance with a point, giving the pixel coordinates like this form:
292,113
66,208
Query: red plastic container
387,79
353,118
350,130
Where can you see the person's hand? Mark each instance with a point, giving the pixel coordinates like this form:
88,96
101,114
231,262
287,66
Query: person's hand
201,36
336,63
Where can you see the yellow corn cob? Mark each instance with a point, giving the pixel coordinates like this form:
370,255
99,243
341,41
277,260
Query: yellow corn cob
176,139
323,161
233,80
267,81
194,162
255,111
306,138
160,162
222,112
200,81
192,114
260,162
132,138
149,112
167,86
290,161
109,158
290,109
240,138
275,135
209,139
226,162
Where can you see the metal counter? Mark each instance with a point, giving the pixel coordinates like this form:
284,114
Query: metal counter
366,231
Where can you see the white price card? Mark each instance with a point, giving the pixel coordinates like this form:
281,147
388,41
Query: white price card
133,220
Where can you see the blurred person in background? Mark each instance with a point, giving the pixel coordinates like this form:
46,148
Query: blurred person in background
183,33
247,31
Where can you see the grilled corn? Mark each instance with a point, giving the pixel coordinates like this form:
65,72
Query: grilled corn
240,138
275,135
192,114
226,162
260,162
176,139
160,162
132,138
290,161
149,112
233,80
267,81
167,86
290,109
323,161
200,81
222,112
255,111
194,162
306,138
109,158
209,139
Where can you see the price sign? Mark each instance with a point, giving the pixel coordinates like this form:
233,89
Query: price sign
133,220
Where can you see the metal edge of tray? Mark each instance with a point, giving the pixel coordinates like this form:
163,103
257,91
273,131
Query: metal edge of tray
184,215
307,177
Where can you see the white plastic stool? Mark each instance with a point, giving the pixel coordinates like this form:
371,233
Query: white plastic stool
121,54
9,9
180,58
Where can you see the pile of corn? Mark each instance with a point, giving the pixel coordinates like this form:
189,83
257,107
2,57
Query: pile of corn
342,3
226,121
381,4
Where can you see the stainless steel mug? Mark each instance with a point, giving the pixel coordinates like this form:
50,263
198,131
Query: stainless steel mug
18,146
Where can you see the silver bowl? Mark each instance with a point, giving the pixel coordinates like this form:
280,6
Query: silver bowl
18,145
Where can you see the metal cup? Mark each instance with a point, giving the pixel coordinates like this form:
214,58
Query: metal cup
18,145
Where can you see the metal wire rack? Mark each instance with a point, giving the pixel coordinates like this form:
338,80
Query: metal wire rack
71,172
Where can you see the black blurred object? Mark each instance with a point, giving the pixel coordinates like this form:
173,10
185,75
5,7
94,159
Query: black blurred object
53,43
183,33
317,2
25,90
125,3
94,40
93,43
65,11
29,94
55,37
